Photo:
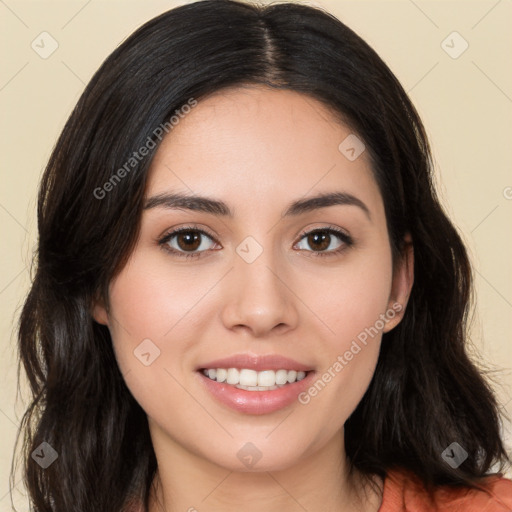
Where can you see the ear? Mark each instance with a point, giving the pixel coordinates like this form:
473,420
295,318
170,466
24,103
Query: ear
403,279
99,311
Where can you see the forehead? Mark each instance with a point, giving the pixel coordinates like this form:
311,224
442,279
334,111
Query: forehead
260,144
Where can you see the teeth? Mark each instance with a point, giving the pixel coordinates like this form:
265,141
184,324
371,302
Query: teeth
251,380
281,377
233,376
266,378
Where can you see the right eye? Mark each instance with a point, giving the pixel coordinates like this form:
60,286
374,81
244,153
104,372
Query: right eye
183,242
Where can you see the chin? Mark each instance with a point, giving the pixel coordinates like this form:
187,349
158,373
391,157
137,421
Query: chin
257,456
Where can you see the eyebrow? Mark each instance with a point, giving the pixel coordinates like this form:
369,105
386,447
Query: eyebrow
181,201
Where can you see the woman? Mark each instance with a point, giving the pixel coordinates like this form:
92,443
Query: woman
247,292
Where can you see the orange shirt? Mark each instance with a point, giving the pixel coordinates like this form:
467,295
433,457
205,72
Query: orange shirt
403,492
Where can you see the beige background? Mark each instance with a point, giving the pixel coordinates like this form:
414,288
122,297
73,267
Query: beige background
466,105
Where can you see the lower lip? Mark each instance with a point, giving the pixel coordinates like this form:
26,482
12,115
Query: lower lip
256,402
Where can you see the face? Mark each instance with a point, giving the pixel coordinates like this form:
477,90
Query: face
272,283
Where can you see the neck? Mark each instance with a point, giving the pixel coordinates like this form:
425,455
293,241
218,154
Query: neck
320,482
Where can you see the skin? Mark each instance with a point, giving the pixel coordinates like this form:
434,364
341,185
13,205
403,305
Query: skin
257,149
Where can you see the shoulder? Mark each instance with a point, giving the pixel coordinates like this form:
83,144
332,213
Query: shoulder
403,491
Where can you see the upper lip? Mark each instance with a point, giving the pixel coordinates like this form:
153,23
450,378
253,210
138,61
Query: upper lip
256,362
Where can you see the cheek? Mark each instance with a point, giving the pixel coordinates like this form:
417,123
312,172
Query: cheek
147,306
149,298
352,304
155,300
151,311
350,299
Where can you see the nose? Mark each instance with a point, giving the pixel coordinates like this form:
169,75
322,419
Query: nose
259,297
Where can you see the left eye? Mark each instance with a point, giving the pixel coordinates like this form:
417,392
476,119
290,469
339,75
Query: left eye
320,240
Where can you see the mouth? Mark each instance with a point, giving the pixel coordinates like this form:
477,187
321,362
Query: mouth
251,383
255,384
253,380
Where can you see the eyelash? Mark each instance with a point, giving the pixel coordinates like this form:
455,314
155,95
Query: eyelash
344,237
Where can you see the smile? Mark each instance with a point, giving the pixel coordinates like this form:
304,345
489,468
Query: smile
256,399
252,380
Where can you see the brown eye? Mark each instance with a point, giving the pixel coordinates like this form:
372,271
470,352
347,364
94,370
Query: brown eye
321,241
188,241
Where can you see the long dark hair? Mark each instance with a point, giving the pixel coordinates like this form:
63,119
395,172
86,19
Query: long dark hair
425,394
